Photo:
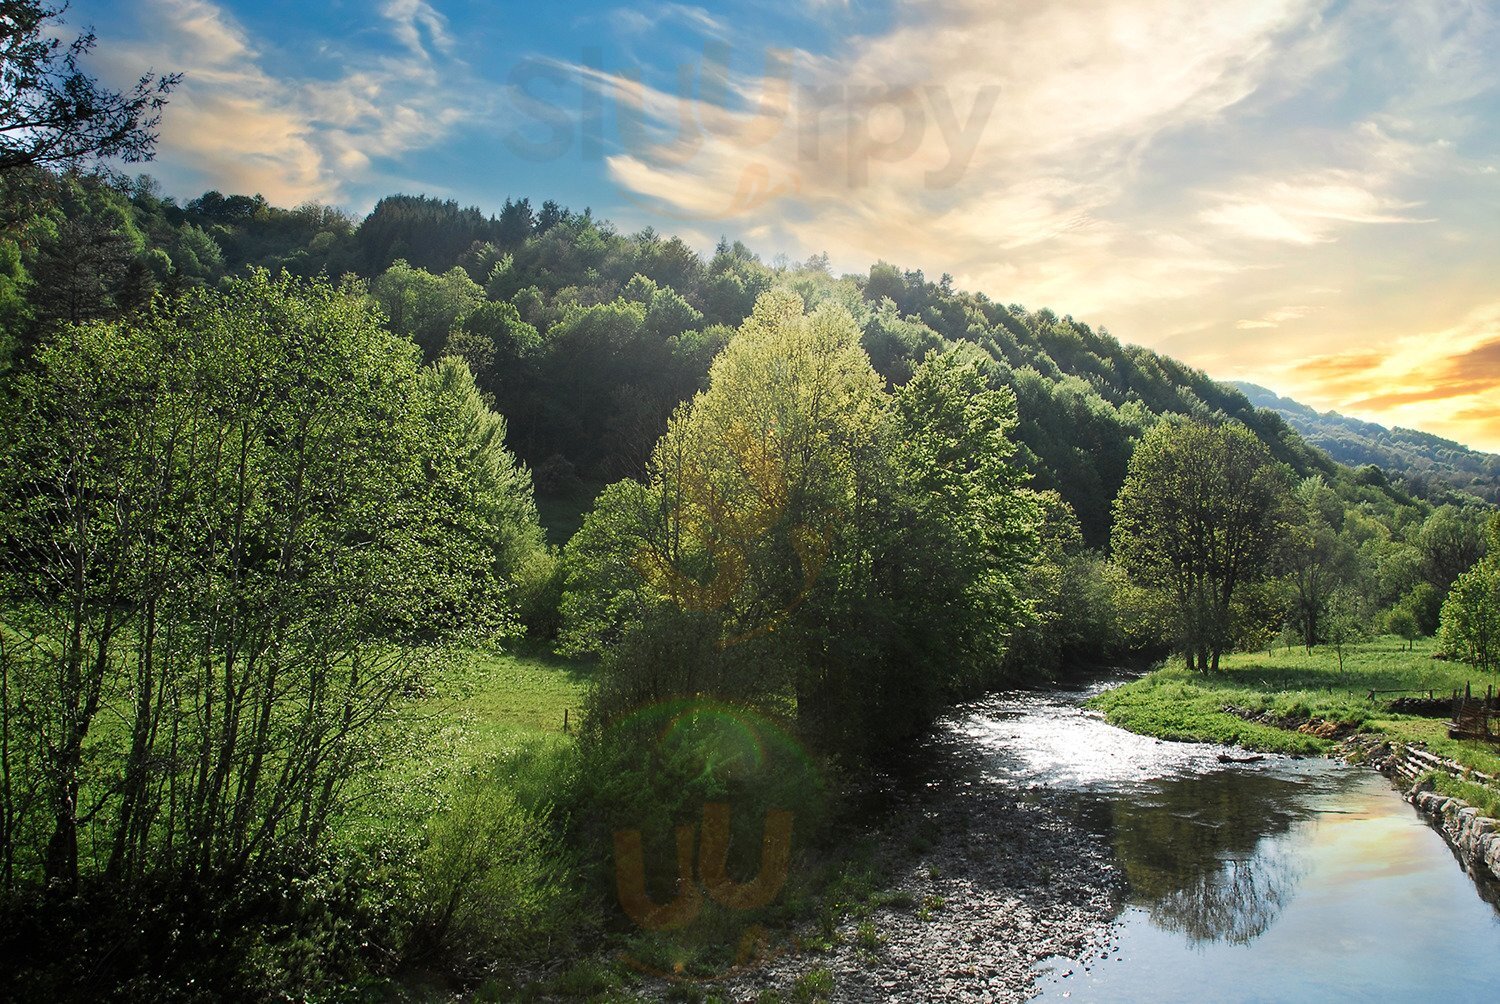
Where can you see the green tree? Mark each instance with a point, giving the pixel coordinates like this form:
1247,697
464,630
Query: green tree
803,536
1400,622
1203,511
240,530
1345,622
15,310
959,533
87,263
1450,541
1425,605
1318,557
1470,620
425,307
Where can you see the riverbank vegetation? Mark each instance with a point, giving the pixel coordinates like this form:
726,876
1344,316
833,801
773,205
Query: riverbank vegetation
1305,689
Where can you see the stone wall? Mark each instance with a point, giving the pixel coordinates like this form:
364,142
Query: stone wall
1475,838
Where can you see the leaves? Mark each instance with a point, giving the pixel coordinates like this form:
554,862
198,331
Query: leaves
1204,510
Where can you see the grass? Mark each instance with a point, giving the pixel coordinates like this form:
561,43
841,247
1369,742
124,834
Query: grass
1175,703
518,695
1483,797
814,985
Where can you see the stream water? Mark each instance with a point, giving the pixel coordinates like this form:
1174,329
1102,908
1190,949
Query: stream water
1280,880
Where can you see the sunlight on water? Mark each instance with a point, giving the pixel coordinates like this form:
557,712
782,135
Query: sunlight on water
1035,739
1280,880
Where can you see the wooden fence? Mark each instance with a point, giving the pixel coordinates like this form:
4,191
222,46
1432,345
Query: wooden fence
1475,717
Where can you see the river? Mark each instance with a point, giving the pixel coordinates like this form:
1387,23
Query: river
1281,880
1040,850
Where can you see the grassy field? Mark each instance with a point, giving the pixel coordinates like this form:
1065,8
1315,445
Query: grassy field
1175,703
516,696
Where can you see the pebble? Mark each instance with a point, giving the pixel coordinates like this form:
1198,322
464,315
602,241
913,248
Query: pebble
999,917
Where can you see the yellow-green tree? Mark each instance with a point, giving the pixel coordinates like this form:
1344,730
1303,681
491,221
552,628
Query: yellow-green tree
747,492
804,539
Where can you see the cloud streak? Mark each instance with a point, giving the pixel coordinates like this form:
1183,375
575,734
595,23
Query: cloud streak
235,126
1446,380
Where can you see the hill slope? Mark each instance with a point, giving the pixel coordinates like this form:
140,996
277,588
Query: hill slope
1428,464
586,338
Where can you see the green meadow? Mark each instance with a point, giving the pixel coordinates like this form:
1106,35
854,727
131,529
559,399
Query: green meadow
1176,703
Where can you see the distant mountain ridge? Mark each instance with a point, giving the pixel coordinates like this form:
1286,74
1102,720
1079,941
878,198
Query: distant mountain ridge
1430,464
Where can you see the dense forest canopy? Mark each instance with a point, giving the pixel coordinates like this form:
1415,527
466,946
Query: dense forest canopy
586,338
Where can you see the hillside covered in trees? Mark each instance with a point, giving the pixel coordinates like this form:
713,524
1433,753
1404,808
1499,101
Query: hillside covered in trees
587,338
1428,465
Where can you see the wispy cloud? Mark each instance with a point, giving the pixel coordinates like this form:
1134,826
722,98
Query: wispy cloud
636,20
1446,380
235,126
1272,319
417,25
1306,211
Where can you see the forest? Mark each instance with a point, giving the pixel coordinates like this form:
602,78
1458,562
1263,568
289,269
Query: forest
1421,458
278,482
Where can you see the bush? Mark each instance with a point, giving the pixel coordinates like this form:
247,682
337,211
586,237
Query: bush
651,774
495,878
538,593
294,929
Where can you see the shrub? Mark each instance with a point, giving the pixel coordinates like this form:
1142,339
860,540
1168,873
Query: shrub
495,879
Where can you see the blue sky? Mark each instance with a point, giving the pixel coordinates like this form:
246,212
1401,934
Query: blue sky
1304,193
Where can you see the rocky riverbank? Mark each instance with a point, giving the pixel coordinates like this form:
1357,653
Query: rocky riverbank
1007,885
1474,837
985,882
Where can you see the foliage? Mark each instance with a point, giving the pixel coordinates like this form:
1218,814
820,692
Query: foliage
1318,557
425,307
240,530
51,112
1400,622
1450,541
802,540
1202,512
496,881
1345,622
1084,611
1471,614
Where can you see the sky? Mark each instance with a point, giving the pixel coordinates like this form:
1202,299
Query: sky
1300,193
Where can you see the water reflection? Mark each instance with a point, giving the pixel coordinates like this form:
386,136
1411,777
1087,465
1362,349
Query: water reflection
1199,852
1198,841
1285,880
